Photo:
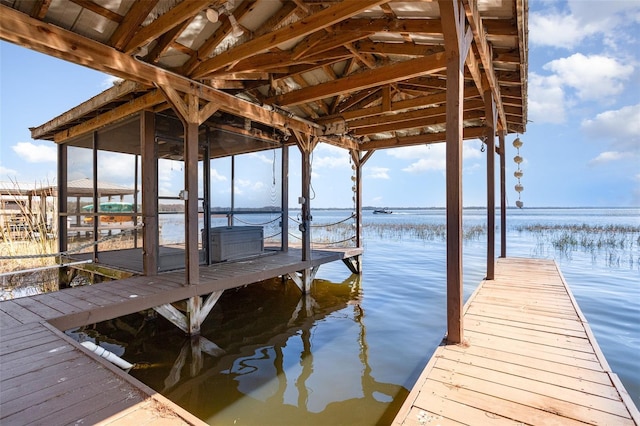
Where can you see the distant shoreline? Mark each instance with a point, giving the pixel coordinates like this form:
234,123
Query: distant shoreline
475,208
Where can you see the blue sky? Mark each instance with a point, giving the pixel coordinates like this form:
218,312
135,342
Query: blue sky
582,146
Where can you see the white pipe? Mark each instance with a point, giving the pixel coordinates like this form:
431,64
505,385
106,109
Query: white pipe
109,356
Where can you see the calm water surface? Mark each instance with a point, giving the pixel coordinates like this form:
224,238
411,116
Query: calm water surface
349,352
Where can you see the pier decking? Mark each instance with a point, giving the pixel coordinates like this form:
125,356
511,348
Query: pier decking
530,358
45,378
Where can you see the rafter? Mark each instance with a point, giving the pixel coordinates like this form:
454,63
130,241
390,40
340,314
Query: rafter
365,80
172,18
421,139
398,117
19,28
315,22
146,101
484,52
210,45
429,120
131,23
110,95
430,27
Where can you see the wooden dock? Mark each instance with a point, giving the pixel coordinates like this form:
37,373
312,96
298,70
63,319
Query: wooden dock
529,358
47,378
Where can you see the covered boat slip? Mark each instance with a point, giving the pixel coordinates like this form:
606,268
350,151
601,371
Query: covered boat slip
529,357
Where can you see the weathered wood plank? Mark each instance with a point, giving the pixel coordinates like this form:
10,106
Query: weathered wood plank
527,325
600,410
14,310
487,403
533,336
37,307
530,356
525,360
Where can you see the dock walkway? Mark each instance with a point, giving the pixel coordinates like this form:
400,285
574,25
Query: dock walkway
47,378
529,358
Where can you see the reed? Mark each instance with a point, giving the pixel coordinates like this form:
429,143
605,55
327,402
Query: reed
325,234
616,242
26,242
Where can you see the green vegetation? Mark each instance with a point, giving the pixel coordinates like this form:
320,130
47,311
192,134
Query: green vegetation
616,242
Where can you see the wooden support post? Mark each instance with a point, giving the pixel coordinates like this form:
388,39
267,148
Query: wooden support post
192,258
503,196
63,234
490,139
197,312
174,316
191,116
305,226
456,43
304,278
284,189
96,200
150,244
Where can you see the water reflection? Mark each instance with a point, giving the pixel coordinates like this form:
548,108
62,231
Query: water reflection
267,355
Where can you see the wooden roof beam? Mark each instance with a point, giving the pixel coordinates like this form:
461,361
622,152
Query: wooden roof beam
174,17
146,101
421,139
165,41
398,49
485,54
430,27
18,28
409,116
398,106
210,45
99,10
112,94
303,27
365,80
131,23
427,120
40,8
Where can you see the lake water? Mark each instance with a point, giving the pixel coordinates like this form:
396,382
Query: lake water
349,353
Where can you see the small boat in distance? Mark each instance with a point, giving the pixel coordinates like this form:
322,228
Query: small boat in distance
382,211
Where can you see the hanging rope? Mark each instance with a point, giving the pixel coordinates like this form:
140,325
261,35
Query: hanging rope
334,242
256,224
274,235
324,224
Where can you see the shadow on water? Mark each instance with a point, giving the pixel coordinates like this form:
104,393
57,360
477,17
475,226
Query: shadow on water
267,355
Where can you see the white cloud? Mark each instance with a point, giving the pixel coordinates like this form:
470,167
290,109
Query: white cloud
36,153
557,30
110,81
377,173
330,157
7,172
116,168
433,157
262,157
216,176
584,19
606,157
546,99
593,77
620,128
245,185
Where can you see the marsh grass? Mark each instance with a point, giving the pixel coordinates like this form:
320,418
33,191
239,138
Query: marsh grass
26,242
615,242
345,232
